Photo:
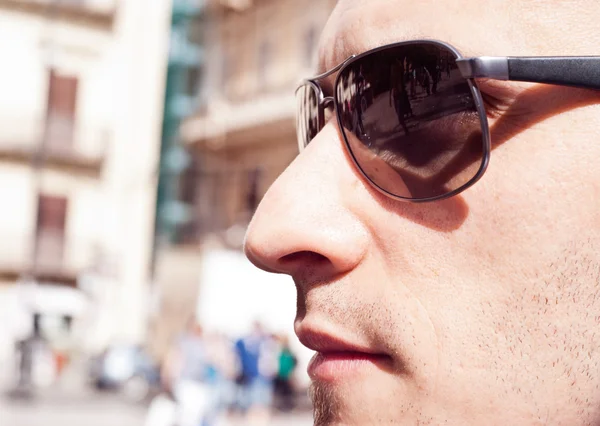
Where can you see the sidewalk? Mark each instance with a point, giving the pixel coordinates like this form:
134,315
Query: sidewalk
91,409
295,419
73,402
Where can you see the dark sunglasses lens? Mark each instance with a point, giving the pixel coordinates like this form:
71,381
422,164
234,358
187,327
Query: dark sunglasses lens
307,123
410,120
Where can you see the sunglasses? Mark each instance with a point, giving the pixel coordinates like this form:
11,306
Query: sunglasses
412,116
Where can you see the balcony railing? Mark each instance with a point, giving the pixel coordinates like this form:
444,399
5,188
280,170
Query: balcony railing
230,5
54,142
49,256
227,119
99,12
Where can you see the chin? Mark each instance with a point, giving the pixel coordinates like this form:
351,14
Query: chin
360,402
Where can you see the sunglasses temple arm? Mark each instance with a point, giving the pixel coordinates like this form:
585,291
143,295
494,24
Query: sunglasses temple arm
582,72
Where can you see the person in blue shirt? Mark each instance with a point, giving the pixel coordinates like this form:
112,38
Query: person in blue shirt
257,355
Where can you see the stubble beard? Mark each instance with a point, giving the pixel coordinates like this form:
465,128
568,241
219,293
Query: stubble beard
327,404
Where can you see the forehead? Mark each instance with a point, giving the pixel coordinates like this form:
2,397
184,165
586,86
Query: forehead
474,27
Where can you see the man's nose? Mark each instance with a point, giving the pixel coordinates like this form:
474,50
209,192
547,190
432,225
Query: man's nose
307,217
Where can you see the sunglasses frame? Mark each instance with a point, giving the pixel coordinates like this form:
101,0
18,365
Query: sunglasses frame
324,101
580,72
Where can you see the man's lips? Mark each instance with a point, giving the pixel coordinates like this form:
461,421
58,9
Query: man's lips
337,359
320,341
336,366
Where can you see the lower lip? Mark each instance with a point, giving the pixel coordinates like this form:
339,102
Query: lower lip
334,366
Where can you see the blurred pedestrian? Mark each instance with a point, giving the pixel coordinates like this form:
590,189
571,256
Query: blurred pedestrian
284,387
36,365
257,354
223,369
187,374
361,103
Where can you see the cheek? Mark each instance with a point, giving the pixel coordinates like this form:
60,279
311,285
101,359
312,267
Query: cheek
538,195
550,169
515,301
472,304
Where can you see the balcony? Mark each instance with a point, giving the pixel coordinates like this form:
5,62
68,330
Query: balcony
267,117
57,259
99,13
231,5
55,142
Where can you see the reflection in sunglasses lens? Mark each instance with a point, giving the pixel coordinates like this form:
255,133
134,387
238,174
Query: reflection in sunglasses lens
307,114
410,120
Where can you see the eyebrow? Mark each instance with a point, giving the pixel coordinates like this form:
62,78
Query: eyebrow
341,45
340,51
325,72
324,69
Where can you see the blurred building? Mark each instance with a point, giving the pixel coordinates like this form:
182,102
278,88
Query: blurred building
80,119
240,137
176,268
243,136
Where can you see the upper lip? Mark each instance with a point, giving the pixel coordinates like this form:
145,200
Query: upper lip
323,342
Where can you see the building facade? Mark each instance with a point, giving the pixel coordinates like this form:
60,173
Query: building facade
80,117
175,267
243,135
240,137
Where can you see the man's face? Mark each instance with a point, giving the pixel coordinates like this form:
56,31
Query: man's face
481,309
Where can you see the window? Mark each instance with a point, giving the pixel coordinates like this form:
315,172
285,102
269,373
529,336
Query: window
192,81
226,70
253,195
61,111
189,183
264,59
50,233
52,214
310,44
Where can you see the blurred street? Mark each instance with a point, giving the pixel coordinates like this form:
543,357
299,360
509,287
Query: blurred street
63,409
72,402
92,409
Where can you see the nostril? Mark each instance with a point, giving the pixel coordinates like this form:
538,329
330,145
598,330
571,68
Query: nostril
308,267
306,257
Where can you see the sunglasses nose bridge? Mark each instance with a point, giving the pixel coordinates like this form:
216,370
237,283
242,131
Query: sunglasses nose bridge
326,103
